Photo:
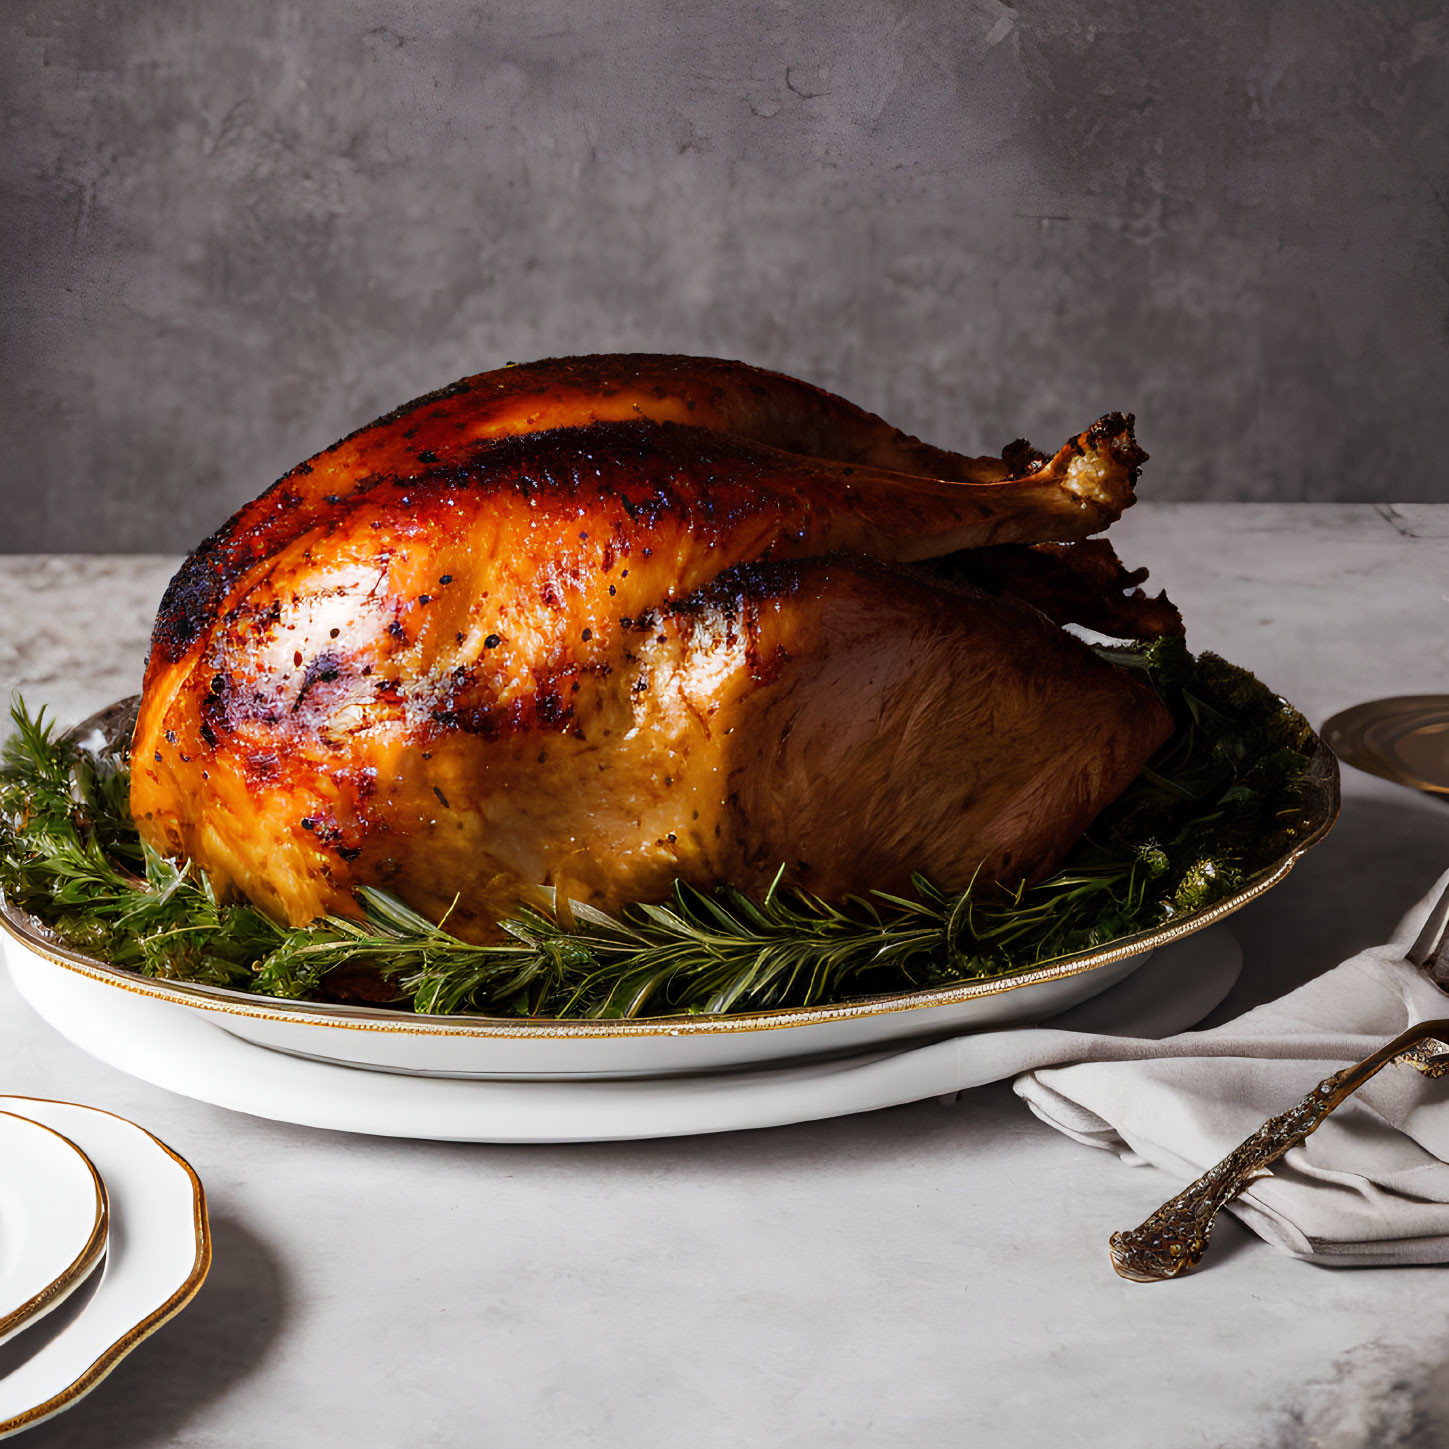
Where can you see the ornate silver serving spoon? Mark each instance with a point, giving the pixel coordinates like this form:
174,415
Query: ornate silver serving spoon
1176,1236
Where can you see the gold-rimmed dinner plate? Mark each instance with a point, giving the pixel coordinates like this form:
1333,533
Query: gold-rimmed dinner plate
489,1047
157,1255
53,1221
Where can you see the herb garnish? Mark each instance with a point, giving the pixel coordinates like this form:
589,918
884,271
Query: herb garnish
1218,803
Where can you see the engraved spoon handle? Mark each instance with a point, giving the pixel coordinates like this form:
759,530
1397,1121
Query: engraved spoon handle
1176,1236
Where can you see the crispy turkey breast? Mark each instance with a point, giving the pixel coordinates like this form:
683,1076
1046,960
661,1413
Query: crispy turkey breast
602,623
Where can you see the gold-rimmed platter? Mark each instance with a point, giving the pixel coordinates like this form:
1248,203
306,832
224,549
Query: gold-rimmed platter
464,1046
183,1051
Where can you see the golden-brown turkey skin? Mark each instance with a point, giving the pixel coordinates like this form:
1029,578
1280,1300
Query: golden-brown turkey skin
704,392
856,461
412,662
853,722
884,724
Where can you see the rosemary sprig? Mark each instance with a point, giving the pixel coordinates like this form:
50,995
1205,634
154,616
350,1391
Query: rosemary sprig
1218,801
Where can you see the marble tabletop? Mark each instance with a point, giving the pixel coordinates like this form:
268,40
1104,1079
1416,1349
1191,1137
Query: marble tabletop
925,1275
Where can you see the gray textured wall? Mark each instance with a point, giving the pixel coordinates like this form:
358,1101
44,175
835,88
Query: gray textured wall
233,232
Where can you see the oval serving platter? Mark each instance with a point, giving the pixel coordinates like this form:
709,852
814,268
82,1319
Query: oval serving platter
490,1047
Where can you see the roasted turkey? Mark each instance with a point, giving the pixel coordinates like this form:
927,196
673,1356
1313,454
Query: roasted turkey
603,623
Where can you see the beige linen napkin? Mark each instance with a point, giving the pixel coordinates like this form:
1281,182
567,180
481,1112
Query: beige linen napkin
1370,1186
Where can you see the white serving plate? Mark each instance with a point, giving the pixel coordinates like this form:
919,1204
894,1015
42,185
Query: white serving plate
185,1051
157,1255
53,1221
446,1047
488,1047
453,1046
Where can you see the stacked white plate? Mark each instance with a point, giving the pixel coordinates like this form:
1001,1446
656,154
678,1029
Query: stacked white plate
103,1237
